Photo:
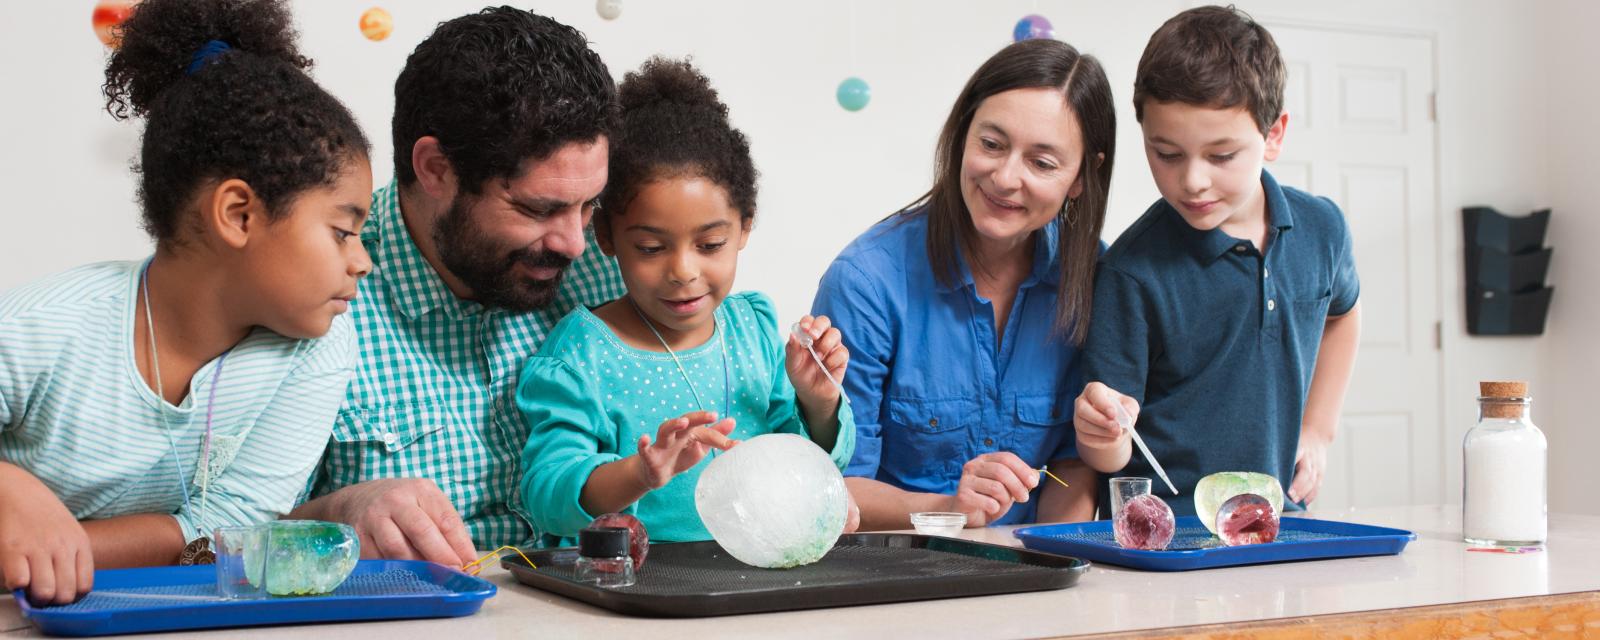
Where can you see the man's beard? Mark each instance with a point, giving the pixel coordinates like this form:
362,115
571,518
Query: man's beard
486,266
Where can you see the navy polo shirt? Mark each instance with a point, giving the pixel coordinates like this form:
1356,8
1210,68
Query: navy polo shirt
1217,341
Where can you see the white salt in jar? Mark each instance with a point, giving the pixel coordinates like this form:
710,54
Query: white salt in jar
1503,494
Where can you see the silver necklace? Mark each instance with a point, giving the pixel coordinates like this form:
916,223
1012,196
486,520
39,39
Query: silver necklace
727,379
166,423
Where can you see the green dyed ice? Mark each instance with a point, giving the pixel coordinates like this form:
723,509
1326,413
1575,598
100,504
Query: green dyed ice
1217,488
285,558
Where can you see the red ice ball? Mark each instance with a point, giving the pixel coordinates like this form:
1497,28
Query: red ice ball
1144,522
1247,519
638,538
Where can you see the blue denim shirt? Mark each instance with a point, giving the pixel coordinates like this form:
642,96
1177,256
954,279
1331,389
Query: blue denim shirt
929,386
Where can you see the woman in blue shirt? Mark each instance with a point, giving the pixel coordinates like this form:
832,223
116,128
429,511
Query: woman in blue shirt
963,312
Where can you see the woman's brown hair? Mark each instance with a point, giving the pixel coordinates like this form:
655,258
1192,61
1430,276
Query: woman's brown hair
1026,65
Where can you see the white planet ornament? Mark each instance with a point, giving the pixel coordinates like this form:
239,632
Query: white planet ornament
774,501
608,9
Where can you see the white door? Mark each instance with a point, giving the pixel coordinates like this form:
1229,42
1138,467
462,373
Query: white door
1361,132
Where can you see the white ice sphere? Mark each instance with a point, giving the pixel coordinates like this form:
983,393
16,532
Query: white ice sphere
774,501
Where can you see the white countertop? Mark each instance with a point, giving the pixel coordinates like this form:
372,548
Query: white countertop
1435,569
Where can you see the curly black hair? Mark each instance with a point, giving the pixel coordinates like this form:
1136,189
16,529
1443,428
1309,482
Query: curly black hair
673,125
498,88
250,112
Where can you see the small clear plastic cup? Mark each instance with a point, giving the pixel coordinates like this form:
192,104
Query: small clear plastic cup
939,523
241,555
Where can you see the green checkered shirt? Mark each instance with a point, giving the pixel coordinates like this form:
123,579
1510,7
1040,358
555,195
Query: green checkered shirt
434,393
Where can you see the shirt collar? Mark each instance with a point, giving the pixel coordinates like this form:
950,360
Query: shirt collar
1207,246
1046,261
414,288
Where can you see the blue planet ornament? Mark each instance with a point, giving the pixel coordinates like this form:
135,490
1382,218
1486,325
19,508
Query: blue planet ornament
854,94
1033,26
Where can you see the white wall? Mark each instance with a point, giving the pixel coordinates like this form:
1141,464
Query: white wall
828,174
1570,348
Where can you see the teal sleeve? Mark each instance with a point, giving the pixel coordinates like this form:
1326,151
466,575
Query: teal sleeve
569,436
783,409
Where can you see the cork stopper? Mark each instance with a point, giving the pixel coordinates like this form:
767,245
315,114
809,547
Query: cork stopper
1502,389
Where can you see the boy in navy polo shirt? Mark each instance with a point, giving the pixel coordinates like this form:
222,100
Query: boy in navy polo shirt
1228,312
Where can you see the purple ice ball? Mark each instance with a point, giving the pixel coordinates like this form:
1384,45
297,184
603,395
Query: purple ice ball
1144,522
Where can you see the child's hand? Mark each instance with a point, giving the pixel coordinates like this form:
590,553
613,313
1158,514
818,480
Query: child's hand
852,517
1310,460
1094,417
681,443
812,388
42,547
990,484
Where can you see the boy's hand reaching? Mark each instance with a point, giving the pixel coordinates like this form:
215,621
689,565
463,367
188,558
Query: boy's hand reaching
42,547
1310,460
1103,443
812,389
1094,417
680,444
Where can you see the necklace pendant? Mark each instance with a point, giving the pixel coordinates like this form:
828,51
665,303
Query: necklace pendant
197,552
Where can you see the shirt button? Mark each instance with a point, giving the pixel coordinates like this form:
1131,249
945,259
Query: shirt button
933,422
988,442
1265,273
1238,248
1272,305
389,439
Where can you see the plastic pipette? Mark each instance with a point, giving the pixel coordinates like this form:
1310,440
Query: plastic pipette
806,341
1127,423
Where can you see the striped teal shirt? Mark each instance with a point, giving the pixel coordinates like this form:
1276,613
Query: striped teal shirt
434,393
76,414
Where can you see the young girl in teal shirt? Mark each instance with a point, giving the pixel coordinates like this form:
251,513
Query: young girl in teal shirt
677,358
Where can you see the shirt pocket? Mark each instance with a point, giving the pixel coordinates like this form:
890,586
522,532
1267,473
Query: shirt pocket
1042,411
1313,308
925,440
1043,424
393,428
921,415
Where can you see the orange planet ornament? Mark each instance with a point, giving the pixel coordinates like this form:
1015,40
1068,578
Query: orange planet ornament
376,24
108,17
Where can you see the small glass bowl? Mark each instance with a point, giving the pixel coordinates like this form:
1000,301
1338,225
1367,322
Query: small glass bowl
939,523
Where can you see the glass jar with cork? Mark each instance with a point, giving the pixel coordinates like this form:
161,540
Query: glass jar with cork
1504,459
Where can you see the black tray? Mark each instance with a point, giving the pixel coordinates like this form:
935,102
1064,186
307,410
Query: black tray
698,579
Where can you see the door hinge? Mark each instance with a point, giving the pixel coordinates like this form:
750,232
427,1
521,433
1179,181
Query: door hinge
1433,107
1438,336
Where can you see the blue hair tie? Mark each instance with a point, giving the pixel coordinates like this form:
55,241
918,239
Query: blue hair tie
208,52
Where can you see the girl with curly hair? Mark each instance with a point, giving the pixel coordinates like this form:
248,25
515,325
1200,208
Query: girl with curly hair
626,400
145,403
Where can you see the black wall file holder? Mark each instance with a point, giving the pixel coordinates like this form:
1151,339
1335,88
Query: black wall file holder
1506,263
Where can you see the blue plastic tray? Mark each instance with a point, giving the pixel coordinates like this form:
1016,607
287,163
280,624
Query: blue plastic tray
376,590
1193,547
